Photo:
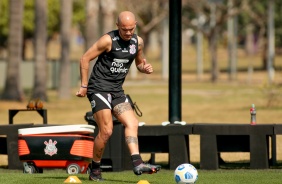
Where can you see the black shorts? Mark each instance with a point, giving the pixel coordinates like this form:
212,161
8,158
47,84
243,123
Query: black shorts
104,100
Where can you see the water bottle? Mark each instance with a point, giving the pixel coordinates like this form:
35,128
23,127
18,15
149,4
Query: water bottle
253,114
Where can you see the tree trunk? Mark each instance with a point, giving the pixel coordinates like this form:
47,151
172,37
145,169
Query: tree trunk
213,55
108,10
65,34
12,89
232,42
270,41
92,31
250,42
40,65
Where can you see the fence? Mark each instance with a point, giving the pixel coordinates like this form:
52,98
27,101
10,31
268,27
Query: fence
27,74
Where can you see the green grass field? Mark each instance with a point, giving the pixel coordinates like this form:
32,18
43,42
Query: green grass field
241,176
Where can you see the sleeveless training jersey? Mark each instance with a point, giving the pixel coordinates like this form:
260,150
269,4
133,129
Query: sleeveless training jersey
111,67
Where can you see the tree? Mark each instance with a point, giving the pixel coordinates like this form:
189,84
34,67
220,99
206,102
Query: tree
216,15
92,31
149,15
12,89
65,33
40,65
108,14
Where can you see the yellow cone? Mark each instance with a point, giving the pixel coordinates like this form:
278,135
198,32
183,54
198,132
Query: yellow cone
72,179
143,182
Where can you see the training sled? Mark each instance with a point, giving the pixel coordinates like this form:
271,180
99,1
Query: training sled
68,146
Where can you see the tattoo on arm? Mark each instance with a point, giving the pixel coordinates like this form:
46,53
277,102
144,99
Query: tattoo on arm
120,108
130,139
140,66
140,45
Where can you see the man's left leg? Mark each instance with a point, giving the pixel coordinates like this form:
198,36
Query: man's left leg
124,113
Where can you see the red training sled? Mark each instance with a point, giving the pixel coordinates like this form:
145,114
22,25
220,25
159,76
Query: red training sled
68,146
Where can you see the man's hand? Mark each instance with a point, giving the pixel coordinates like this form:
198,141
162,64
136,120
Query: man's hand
81,92
147,67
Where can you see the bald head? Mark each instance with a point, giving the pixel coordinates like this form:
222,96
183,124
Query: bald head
126,17
126,24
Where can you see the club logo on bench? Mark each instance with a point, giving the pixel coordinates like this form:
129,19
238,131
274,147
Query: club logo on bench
50,148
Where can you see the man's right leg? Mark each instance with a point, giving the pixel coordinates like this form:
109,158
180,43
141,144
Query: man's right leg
104,121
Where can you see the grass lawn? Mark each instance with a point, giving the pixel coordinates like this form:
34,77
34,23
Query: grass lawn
241,176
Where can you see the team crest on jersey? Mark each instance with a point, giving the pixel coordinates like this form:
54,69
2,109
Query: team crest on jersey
50,148
132,49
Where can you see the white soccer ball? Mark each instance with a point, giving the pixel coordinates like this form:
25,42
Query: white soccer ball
185,174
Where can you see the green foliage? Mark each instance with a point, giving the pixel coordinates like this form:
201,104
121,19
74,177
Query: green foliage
79,12
53,24
53,11
3,22
28,18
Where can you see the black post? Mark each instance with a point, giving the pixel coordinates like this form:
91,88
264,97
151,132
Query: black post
174,60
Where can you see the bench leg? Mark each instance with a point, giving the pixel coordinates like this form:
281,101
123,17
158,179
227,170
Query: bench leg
208,152
259,152
273,148
12,151
178,150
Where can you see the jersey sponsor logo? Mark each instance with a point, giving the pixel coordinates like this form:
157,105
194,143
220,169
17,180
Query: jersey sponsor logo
118,48
117,66
132,49
121,60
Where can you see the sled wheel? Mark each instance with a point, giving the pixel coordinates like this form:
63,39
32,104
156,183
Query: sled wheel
73,169
30,169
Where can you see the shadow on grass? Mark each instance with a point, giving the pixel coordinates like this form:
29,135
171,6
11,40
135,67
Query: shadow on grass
4,167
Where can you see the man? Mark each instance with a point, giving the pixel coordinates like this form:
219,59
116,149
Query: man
116,51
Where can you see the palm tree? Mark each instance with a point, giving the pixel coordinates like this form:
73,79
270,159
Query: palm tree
40,66
91,30
108,11
65,33
12,89
92,15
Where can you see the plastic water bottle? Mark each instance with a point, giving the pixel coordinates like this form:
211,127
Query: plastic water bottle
253,114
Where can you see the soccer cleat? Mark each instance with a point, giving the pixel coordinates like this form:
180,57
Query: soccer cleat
95,175
146,168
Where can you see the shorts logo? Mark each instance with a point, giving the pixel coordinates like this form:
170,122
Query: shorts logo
93,104
50,148
110,98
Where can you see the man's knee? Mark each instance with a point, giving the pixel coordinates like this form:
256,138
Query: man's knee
105,134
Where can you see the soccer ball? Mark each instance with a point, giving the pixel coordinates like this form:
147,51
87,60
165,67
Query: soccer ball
185,174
